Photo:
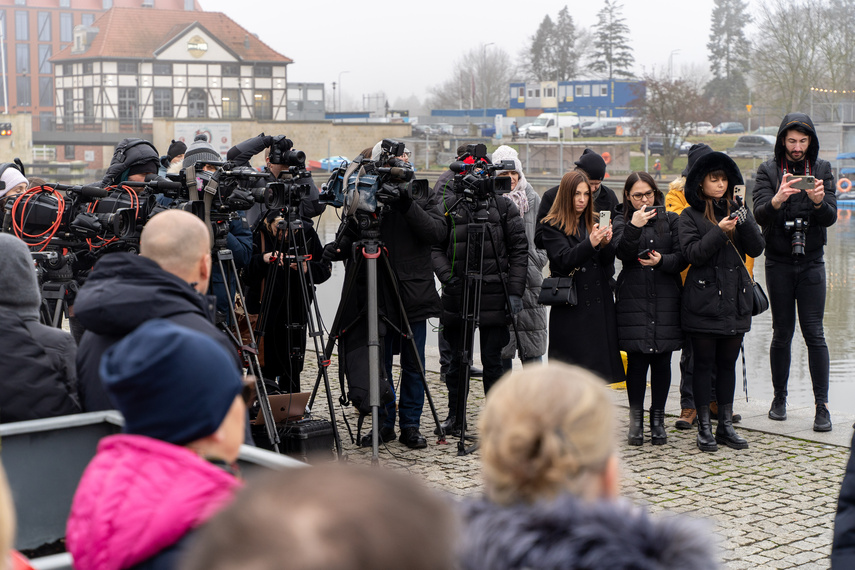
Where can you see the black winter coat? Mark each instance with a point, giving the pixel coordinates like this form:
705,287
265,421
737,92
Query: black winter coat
718,295
584,334
647,299
122,292
128,153
769,175
843,547
505,256
37,376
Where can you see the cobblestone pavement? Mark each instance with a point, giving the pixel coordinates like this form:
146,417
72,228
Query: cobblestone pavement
772,505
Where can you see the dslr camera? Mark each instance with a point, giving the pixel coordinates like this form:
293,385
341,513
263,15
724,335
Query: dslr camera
478,178
797,227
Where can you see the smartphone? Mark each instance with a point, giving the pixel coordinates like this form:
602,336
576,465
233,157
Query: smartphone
733,216
806,183
739,191
605,217
660,211
644,254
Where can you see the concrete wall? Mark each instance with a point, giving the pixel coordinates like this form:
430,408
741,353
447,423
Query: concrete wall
20,144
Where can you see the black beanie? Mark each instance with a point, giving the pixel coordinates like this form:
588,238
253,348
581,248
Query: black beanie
175,149
696,151
149,167
593,164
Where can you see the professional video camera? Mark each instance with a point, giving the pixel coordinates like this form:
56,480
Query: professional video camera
373,184
798,227
478,178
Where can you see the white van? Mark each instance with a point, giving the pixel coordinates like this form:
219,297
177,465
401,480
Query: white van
549,125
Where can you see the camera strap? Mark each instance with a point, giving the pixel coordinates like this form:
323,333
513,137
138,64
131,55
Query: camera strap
808,169
739,255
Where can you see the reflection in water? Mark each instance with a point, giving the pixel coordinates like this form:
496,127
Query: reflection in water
839,322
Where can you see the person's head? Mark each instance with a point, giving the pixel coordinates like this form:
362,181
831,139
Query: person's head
329,517
177,385
406,156
797,140
461,150
35,182
175,153
573,204
15,183
640,190
710,183
548,430
796,143
594,168
133,159
7,520
200,150
19,287
505,152
180,243
272,221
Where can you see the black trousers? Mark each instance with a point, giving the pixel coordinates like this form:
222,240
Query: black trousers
719,354
493,340
636,378
798,287
687,363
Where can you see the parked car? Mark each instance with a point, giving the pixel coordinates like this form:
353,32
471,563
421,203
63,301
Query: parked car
729,128
700,128
656,144
772,131
424,131
485,129
444,128
601,128
753,146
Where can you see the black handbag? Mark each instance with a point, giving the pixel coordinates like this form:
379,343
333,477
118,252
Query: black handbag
761,301
559,291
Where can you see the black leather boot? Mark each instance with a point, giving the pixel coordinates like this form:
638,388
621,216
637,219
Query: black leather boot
706,441
446,424
724,433
657,427
636,427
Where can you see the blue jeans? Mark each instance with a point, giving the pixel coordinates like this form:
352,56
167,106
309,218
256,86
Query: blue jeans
412,391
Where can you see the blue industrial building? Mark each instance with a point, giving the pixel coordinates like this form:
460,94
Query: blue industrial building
589,97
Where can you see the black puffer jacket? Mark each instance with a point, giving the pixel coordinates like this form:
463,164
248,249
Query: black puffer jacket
122,292
769,175
718,296
128,153
569,533
647,299
507,229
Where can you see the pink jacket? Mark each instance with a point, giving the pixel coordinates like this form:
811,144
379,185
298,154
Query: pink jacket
138,496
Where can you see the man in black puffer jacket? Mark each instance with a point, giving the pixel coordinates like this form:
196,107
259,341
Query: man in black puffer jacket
132,160
166,281
796,277
508,261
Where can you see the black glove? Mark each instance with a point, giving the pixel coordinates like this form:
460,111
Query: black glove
405,199
267,139
516,304
332,253
453,281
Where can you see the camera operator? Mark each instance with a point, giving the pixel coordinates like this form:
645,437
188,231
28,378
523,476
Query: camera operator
509,260
239,238
285,331
241,153
794,203
132,160
168,280
174,159
408,227
14,183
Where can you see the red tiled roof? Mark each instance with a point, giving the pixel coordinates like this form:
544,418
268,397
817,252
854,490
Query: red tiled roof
136,33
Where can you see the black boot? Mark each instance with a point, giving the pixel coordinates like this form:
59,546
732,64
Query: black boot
724,433
706,441
636,427
446,424
657,427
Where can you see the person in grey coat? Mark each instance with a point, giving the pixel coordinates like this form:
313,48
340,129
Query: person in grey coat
530,323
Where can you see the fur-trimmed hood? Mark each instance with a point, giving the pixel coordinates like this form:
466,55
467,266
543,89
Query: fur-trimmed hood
796,120
569,533
705,164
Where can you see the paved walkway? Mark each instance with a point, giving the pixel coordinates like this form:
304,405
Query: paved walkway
772,505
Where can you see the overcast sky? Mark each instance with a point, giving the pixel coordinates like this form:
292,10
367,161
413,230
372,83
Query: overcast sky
403,48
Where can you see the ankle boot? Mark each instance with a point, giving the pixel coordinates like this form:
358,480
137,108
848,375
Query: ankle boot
657,427
724,433
636,427
706,441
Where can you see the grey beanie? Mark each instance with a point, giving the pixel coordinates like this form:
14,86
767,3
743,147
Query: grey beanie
19,288
201,149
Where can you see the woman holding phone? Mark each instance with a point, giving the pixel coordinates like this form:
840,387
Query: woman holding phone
586,333
715,236
647,300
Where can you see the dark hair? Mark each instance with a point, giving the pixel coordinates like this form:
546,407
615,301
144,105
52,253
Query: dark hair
709,208
798,127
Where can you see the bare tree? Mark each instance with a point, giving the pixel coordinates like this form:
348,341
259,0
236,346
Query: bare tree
480,79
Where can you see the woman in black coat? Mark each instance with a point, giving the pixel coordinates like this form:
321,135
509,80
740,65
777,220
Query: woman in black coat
647,300
285,329
716,234
586,333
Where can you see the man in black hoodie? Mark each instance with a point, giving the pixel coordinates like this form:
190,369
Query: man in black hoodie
794,223
168,280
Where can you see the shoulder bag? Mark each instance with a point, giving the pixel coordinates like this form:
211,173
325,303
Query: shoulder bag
761,301
559,290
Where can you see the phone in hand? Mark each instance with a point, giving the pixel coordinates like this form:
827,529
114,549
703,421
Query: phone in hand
605,218
644,254
806,183
739,191
660,211
733,216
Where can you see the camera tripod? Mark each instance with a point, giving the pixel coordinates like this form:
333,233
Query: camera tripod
367,251
473,281
57,285
297,250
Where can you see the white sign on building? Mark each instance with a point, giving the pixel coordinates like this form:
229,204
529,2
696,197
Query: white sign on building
219,134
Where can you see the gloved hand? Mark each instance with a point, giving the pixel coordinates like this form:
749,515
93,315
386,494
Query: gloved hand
267,139
394,195
453,281
332,252
405,199
516,304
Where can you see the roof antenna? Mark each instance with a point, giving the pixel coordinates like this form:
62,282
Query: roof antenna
246,41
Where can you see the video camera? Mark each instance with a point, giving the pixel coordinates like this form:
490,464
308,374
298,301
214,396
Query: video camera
373,184
478,178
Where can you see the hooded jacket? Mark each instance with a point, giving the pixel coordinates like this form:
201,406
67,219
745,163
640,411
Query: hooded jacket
129,153
769,175
122,292
569,533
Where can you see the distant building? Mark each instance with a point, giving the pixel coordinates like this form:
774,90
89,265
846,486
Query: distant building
590,97
306,102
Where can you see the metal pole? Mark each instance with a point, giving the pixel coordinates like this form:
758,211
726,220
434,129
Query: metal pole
373,357
3,60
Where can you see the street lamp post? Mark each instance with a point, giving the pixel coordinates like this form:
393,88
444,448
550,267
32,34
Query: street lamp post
339,86
483,78
671,64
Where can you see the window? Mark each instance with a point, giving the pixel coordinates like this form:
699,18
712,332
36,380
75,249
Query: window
88,105
521,92
44,26
69,151
65,3
106,4
45,91
197,104
549,92
162,102
44,59
263,104
231,70
578,91
537,93
20,2
68,105
87,19
128,67
604,90
315,95
87,67
23,91
162,68
3,22
67,69
127,102
189,5
22,58
22,25
148,3
263,71
231,103
66,27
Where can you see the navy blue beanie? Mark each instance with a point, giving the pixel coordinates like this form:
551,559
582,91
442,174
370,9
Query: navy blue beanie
171,383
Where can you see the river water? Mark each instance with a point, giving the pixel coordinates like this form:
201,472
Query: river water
839,322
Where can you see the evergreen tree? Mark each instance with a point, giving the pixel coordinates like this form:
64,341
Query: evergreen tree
562,48
612,54
539,51
728,52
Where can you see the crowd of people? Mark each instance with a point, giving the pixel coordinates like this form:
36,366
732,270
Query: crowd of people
145,342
